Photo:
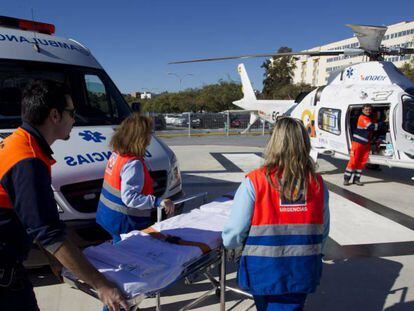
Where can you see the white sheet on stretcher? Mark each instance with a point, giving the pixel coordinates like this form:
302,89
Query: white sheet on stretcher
141,264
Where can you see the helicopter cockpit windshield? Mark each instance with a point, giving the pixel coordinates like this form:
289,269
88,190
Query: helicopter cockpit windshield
408,114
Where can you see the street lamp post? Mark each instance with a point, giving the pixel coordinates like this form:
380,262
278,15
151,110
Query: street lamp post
180,77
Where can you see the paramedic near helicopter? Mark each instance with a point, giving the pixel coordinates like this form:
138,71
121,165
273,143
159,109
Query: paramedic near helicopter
361,145
280,216
127,194
27,206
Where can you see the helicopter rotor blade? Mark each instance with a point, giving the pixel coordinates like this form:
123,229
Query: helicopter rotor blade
309,53
369,38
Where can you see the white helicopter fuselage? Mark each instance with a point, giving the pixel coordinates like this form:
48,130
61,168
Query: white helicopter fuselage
330,113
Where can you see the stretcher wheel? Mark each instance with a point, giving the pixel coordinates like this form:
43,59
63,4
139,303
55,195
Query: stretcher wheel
217,292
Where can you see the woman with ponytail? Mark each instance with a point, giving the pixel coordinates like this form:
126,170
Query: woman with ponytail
280,217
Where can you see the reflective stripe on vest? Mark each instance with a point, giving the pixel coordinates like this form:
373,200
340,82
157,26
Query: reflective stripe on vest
282,251
289,229
17,147
111,198
111,190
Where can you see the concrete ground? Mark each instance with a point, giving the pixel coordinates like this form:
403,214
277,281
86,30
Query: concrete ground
369,263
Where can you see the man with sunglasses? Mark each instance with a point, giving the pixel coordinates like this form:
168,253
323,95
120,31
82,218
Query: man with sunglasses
27,207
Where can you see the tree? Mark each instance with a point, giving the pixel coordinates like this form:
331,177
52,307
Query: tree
278,81
408,69
211,98
278,73
219,97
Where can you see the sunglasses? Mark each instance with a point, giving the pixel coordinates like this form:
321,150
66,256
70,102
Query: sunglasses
71,112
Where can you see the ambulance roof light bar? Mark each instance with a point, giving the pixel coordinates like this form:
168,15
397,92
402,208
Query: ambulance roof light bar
25,24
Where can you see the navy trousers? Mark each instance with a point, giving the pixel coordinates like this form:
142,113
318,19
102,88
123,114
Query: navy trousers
288,302
19,295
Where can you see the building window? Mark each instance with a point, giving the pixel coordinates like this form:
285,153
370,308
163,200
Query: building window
303,74
329,120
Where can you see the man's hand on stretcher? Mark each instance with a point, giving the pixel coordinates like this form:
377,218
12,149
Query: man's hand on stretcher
74,260
110,295
168,205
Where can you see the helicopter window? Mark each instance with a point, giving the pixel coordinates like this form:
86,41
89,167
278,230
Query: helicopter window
318,95
329,120
408,115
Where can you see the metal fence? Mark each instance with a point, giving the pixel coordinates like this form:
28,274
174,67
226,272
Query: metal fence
223,123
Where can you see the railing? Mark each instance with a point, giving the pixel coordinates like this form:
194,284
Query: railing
201,124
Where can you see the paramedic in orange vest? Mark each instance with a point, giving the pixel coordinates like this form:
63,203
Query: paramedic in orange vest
361,145
127,196
280,216
27,207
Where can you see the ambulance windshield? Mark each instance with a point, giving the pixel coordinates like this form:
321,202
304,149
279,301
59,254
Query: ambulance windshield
97,101
408,114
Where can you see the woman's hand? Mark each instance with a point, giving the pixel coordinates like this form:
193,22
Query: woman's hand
168,205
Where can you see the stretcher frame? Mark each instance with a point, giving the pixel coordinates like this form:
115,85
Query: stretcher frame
203,265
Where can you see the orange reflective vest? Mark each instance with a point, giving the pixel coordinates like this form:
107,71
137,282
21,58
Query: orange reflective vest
113,215
365,128
15,148
283,250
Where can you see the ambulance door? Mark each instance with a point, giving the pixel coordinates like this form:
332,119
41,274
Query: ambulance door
402,120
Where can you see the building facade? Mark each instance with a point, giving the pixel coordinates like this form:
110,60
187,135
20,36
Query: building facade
316,70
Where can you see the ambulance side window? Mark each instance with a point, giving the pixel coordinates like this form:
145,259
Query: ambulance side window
98,98
329,120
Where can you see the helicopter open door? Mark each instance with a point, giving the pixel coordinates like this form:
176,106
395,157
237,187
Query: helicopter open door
381,144
403,123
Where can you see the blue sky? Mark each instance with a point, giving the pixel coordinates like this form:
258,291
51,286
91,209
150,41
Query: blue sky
135,39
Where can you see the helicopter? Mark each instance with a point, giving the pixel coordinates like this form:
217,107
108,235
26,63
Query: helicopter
330,112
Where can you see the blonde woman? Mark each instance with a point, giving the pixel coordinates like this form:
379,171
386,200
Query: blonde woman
280,216
127,193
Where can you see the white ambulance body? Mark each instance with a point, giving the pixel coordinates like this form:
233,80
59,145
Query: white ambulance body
77,176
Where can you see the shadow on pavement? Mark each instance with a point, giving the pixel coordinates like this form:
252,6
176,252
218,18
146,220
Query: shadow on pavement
360,284
356,284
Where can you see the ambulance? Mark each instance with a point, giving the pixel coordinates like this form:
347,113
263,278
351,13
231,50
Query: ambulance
29,51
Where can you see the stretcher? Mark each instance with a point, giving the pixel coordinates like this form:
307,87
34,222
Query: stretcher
147,262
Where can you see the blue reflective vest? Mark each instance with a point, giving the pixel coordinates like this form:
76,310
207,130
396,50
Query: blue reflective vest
282,253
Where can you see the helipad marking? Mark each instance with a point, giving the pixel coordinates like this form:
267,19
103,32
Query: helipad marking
352,224
245,161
